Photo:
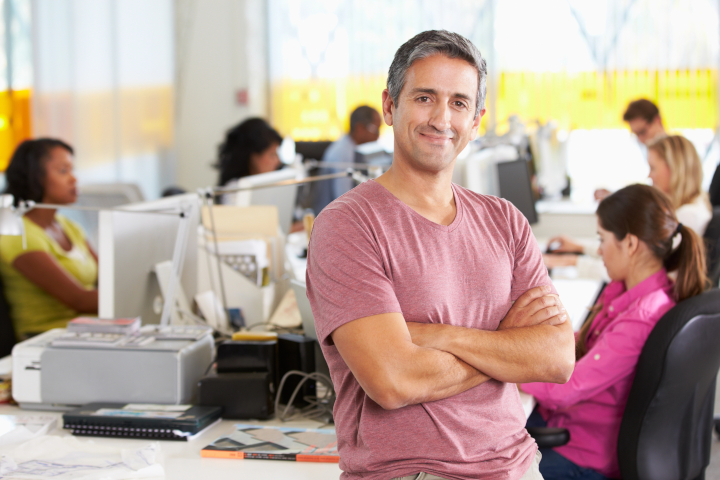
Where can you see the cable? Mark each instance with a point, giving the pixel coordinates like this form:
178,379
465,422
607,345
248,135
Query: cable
207,370
317,407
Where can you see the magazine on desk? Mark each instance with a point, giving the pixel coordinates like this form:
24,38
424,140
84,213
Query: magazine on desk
276,443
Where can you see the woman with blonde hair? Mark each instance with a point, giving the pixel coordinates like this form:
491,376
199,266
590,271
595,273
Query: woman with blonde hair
641,241
675,170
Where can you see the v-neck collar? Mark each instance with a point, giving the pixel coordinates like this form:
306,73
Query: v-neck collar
60,248
445,228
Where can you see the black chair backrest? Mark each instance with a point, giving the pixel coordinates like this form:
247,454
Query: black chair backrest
7,331
311,150
714,189
666,430
712,247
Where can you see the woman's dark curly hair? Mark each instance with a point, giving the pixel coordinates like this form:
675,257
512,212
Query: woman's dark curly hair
26,171
254,135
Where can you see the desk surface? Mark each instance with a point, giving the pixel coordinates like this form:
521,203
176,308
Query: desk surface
182,460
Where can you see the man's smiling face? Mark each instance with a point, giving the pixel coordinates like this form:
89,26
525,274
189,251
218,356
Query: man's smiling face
435,116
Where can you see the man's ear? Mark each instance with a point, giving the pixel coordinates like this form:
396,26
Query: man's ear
476,123
387,106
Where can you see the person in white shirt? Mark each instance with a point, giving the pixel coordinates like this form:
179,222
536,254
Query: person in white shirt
676,170
364,127
644,120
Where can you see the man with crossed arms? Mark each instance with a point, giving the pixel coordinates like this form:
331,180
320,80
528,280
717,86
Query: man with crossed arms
431,301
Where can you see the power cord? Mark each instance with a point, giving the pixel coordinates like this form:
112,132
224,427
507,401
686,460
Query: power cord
317,406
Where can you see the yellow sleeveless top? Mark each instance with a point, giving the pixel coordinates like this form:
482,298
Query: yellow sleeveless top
32,309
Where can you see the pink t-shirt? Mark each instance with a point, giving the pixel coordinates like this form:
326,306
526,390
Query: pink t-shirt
371,254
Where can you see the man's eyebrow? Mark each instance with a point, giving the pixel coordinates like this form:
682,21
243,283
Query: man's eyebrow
423,90
463,96
432,91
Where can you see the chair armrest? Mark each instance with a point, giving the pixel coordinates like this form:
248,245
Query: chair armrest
547,437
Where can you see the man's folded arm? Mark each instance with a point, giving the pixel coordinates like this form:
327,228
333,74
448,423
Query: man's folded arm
393,371
534,342
541,353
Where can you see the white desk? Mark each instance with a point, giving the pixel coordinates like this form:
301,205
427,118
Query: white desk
565,218
577,296
182,460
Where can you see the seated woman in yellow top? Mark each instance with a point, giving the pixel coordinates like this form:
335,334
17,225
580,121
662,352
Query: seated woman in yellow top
54,278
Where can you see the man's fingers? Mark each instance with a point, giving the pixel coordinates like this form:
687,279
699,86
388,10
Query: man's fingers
542,302
548,312
526,298
555,320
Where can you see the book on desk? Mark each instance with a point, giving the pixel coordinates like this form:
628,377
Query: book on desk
157,422
276,443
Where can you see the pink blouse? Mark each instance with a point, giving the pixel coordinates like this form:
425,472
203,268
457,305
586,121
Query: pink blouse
592,403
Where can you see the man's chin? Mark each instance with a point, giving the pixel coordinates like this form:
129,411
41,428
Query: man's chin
436,164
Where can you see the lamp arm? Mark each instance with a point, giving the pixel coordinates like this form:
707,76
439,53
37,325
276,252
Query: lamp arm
218,191
25,206
348,165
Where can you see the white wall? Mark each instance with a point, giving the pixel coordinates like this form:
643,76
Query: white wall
220,49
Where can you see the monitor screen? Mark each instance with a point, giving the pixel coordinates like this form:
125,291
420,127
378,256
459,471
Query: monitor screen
282,197
514,185
132,244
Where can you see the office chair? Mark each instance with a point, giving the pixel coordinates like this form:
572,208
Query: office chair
714,189
712,247
7,330
666,430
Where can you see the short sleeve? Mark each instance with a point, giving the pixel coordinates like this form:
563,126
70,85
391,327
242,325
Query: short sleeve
11,246
346,278
529,271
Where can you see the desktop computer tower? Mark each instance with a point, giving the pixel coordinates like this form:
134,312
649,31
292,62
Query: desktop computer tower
296,352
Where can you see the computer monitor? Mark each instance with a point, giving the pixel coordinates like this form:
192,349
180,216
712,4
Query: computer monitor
132,244
312,150
283,197
514,185
101,195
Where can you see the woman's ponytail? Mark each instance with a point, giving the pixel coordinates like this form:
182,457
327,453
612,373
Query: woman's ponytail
688,259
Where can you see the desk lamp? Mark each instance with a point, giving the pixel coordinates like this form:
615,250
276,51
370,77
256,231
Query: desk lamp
208,196
11,223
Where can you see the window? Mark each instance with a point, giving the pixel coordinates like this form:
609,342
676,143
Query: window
15,76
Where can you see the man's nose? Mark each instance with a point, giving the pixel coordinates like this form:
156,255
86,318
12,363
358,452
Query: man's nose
440,117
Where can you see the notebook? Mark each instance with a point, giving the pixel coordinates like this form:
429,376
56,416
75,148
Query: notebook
151,421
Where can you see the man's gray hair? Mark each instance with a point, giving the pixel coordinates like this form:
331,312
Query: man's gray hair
433,42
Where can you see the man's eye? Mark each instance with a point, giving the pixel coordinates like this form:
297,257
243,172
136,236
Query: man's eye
459,104
424,99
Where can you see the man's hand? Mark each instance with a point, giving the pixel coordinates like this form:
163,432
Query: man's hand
552,260
601,193
563,244
537,306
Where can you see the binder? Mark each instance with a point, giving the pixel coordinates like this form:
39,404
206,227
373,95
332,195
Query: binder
148,421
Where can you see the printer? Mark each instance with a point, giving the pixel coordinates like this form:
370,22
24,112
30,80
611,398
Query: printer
59,369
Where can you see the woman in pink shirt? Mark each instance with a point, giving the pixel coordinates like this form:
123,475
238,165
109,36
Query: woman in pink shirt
639,245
